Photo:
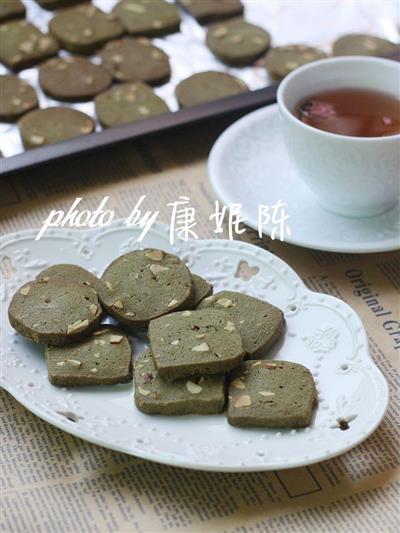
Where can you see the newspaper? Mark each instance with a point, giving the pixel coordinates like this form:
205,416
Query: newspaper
54,482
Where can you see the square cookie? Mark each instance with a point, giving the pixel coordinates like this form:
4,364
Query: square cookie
103,358
192,343
203,395
276,394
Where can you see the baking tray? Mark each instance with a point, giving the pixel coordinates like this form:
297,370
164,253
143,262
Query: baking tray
288,22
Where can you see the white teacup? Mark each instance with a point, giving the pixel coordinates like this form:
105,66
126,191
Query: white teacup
351,176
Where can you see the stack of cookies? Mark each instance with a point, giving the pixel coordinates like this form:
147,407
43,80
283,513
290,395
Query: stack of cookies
204,351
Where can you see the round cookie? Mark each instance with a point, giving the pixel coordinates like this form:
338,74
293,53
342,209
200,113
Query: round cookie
54,312
126,103
282,60
201,289
148,17
259,323
145,284
52,125
84,28
359,44
70,273
207,86
103,358
23,45
73,79
206,11
17,98
236,42
136,60
56,4
11,9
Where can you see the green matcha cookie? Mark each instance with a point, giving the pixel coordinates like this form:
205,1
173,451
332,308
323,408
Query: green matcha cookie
192,343
236,42
11,9
22,45
103,358
136,60
282,60
70,274
73,79
84,28
148,17
205,11
204,395
126,103
363,45
54,312
52,125
202,288
260,324
276,394
56,4
206,87
145,284
17,97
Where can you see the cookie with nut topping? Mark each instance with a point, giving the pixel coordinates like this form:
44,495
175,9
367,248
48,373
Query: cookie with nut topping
273,394
128,102
84,28
260,323
73,79
145,284
54,312
237,42
206,11
149,19
70,273
52,125
202,395
17,98
359,44
195,343
136,60
102,358
282,60
207,86
23,45
202,288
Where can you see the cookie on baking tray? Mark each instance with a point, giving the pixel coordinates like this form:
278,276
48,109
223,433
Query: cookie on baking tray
359,44
128,102
11,9
54,311
52,125
259,323
237,42
145,284
83,29
282,60
203,395
136,60
23,45
17,98
206,87
102,358
148,18
271,394
206,11
193,343
72,79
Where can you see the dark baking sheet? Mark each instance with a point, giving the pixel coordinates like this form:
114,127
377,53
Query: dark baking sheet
87,143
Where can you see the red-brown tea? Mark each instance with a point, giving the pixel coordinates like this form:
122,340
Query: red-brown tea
354,112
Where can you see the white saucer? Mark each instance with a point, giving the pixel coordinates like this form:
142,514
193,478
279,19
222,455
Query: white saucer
322,333
249,165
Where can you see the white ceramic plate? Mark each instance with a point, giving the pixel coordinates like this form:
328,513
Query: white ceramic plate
249,165
323,333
